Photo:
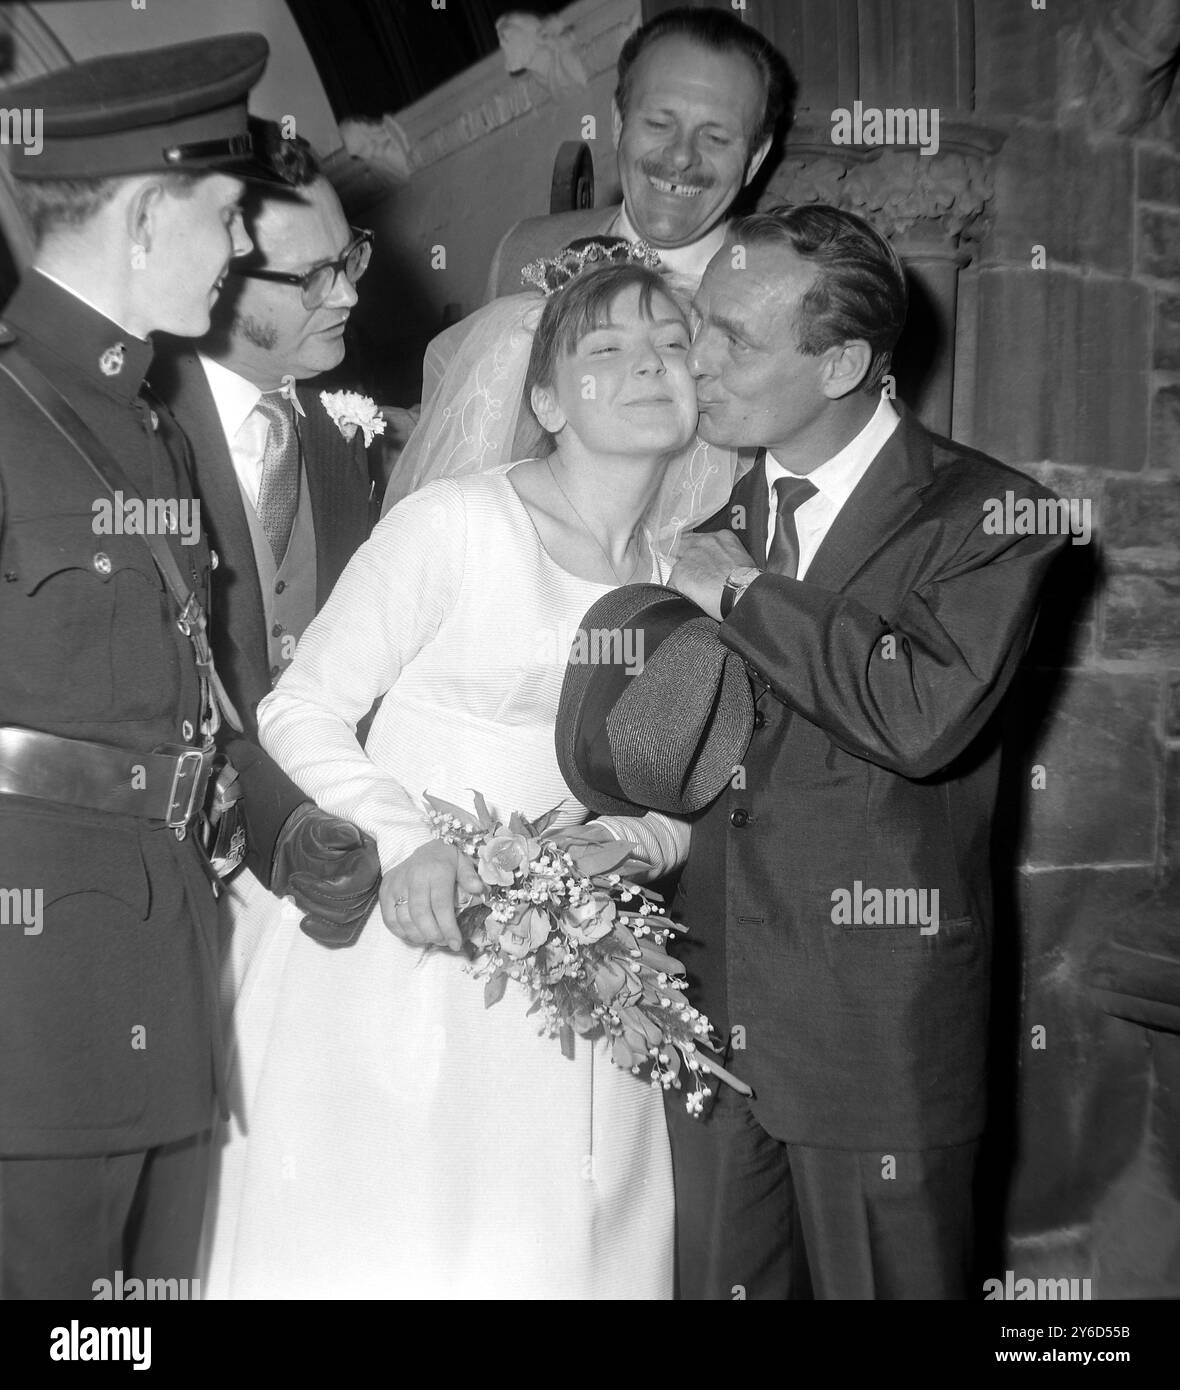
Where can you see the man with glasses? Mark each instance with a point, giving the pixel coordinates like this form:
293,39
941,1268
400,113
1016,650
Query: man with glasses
285,497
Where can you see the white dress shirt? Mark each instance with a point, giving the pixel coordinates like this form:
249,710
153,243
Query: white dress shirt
685,264
834,480
245,431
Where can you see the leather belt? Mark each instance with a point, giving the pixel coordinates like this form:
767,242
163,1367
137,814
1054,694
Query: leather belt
166,785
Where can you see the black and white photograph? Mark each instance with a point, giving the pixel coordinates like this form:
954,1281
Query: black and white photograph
590,666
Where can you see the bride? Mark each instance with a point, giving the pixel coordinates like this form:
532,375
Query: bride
400,1139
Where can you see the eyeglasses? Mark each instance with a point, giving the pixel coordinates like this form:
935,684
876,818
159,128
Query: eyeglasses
316,284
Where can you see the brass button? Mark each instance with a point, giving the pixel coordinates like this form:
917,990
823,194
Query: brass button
102,563
280,586
739,818
277,630
214,559
186,731
274,671
759,719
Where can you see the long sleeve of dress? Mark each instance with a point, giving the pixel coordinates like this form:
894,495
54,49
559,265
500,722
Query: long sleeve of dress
389,603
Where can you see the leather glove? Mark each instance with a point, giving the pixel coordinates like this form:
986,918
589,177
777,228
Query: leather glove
331,869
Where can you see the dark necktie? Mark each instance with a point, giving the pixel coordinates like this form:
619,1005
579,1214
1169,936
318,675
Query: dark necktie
790,494
278,493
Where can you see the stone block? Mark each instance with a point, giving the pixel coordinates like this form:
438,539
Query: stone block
1016,58
1165,427
1138,513
1068,192
1158,251
1166,351
1141,608
1062,368
1159,176
1083,769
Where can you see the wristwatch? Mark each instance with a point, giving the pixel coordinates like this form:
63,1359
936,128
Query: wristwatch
737,581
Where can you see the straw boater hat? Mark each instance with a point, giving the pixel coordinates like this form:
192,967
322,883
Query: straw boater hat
662,733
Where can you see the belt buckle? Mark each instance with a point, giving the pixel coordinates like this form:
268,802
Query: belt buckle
187,785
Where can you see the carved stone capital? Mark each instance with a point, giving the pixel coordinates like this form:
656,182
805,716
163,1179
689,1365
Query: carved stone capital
929,201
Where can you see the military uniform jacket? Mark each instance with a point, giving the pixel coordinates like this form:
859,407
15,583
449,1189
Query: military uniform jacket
107,952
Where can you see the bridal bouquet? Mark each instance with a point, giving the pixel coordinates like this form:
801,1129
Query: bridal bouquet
586,943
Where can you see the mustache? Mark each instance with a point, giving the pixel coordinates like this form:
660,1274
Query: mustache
656,171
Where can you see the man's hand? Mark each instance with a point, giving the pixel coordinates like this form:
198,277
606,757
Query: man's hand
594,832
705,562
418,895
332,871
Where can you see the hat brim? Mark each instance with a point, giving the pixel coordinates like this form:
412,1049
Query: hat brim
618,608
598,730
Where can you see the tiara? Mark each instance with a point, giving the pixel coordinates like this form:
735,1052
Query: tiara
552,273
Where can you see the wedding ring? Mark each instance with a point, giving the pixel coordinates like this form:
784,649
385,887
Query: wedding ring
400,902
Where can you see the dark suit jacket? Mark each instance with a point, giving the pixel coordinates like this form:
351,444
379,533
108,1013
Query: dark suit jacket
342,511
872,761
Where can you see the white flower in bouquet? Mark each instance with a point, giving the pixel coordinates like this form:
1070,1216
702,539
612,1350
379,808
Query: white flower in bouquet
350,411
586,944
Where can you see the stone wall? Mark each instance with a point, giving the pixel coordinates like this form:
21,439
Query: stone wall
1050,219
1077,380
1043,244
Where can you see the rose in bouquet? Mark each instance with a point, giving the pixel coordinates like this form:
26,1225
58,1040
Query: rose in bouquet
587,944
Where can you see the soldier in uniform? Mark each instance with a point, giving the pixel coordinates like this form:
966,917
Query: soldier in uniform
110,1051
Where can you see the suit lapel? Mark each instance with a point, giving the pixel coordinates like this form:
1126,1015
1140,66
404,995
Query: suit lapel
319,481
191,402
338,487
881,503
750,495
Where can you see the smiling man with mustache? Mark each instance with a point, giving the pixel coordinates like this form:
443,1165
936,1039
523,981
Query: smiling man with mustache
698,98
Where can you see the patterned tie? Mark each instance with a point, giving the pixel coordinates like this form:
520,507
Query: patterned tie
278,494
790,494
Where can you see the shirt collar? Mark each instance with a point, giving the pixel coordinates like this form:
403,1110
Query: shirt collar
685,262
836,478
75,330
234,396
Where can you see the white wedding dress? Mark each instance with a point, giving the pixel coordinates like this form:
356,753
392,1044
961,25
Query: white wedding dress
396,1138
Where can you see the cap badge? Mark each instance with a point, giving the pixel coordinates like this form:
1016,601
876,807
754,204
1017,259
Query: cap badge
111,362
